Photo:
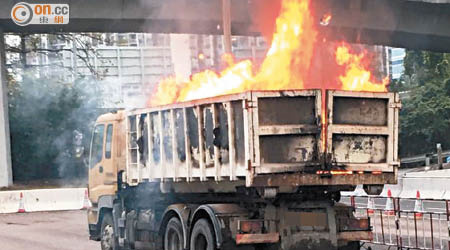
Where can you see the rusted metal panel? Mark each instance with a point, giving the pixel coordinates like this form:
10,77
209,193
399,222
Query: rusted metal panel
188,176
362,129
175,153
360,111
305,179
291,148
201,142
242,239
359,148
231,142
286,110
194,103
286,130
355,236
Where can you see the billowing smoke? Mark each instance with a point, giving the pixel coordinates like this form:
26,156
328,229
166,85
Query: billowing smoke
51,114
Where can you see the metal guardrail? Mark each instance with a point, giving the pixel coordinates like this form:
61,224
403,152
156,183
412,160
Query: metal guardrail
405,228
422,158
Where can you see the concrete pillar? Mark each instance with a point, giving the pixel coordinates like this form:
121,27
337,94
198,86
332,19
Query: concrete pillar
439,155
5,149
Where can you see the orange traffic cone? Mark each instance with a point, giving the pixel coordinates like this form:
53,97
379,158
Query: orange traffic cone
21,204
389,210
86,201
370,206
418,206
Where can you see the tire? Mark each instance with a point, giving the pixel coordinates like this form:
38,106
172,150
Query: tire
202,237
173,235
108,239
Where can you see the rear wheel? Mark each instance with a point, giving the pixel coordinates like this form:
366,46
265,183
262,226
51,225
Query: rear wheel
173,236
108,240
202,237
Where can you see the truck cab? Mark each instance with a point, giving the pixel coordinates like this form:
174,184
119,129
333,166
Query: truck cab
106,159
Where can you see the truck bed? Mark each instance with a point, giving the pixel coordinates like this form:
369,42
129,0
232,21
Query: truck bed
267,138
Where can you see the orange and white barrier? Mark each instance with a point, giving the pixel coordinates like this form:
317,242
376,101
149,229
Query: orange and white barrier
21,204
389,210
86,202
370,206
43,200
418,206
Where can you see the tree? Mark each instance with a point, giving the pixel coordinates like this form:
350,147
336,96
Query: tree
44,116
425,116
48,112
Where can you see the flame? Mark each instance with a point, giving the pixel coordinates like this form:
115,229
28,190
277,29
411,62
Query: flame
357,77
287,65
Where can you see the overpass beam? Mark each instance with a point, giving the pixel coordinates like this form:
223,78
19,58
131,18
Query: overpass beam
5,148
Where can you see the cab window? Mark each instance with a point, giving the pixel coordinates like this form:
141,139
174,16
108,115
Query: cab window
108,145
97,145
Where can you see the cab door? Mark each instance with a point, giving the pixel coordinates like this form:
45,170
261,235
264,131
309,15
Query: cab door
101,168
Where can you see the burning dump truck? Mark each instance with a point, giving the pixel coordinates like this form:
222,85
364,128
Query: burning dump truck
252,157
258,169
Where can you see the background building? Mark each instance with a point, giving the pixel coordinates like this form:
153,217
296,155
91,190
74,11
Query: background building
129,66
396,57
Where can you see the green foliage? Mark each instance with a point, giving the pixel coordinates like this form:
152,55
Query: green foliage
44,114
425,117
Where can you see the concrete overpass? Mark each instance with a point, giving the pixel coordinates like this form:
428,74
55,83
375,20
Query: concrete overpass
399,23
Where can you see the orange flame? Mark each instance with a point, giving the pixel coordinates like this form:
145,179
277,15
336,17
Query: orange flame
287,65
357,77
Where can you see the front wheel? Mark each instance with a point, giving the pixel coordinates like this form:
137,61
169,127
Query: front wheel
108,240
202,237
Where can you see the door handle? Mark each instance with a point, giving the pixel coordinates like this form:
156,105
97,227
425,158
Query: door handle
100,169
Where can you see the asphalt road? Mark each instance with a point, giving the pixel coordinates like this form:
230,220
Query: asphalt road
65,230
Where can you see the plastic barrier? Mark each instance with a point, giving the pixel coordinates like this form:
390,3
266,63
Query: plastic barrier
9,201
42,200
432,184
430,188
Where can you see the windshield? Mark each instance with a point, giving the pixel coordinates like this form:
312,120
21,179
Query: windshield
97,145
